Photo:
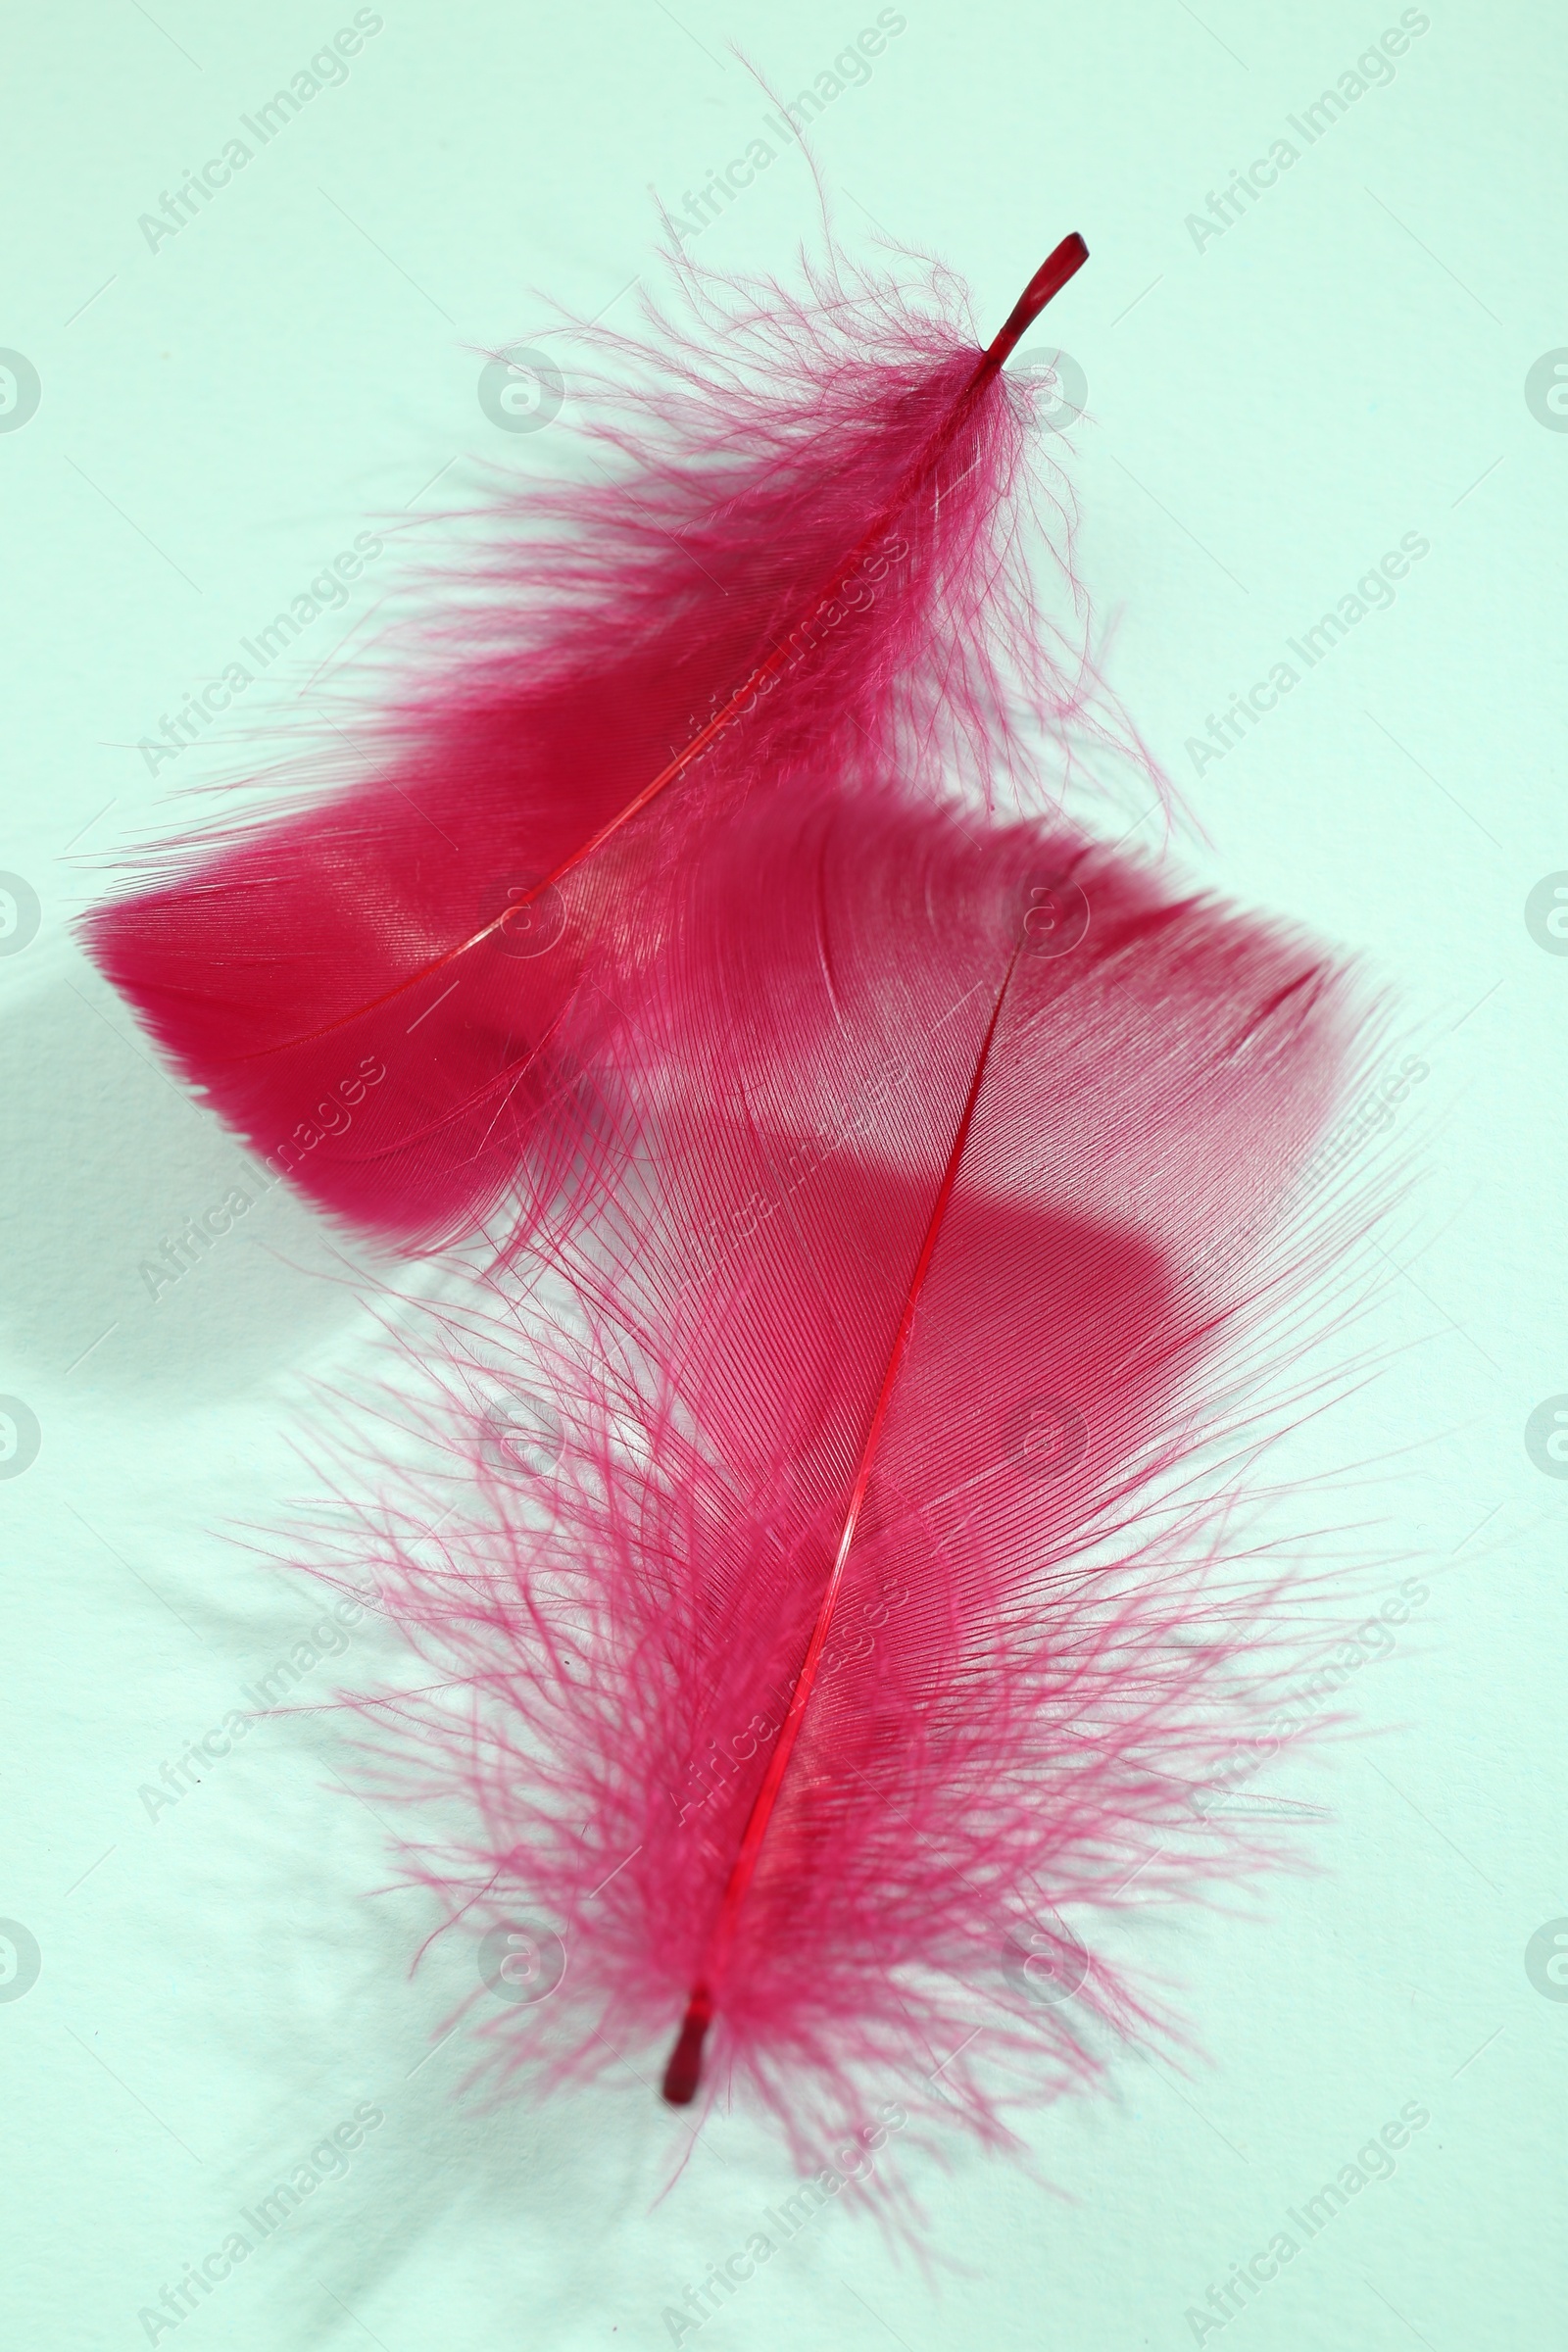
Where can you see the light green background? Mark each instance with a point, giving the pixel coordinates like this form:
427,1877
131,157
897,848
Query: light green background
1270,412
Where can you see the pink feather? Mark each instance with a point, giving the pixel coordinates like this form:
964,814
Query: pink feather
869,1619
798,545
915,1188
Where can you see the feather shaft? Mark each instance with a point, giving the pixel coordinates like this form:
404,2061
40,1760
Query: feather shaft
1046,282
684,2071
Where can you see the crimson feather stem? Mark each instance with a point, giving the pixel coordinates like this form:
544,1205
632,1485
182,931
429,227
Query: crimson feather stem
684,2069
1048,280
1062,264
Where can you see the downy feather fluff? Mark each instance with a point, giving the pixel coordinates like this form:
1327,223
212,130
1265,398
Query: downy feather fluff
954,1172
797,538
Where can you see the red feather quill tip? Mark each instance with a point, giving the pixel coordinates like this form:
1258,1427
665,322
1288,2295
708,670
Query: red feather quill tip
860,1618
808,554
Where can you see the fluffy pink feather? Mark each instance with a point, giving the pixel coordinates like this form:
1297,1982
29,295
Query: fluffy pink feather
794,540
866,1619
